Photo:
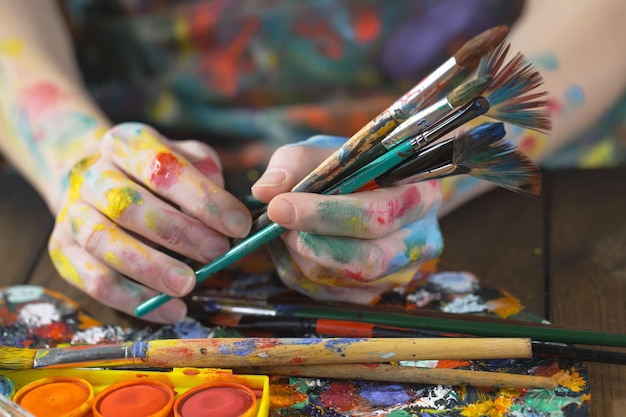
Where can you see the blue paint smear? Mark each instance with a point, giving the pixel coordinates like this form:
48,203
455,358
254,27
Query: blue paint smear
385,395
324,142
575,96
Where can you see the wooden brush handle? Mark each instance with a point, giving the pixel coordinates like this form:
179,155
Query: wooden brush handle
407,374
237,352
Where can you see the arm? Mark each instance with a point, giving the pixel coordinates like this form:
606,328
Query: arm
47,119
578,49
121,195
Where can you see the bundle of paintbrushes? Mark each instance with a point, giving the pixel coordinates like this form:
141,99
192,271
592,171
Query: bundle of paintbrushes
407,141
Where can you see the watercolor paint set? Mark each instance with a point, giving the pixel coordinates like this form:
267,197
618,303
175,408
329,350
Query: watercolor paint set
179,392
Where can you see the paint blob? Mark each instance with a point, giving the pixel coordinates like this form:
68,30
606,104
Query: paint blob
137,398
216,399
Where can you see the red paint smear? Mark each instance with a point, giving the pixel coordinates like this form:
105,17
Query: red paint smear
353,275
40,97
207,167
528,145
341,396
451,364
296,361
166,169
554,106
548,371
366,25
399,207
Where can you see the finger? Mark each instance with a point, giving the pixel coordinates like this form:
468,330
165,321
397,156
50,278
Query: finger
202,157
291,163
106,286
141,152
117,249
368,260
366,215
319,283
138,210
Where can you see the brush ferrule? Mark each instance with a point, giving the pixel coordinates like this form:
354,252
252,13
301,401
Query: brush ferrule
418,122
92,356
414,99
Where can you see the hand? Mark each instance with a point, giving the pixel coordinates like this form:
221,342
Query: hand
140,196
346,247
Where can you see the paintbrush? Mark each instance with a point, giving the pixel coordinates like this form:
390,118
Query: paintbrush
350,184
511,92
408,375
9,408
237,352
417,123
351,155
347,328
483,156
467,57
423,319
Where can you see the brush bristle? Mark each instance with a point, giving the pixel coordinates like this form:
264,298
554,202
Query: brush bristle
510,93
469,55
468,90
492,158
17,358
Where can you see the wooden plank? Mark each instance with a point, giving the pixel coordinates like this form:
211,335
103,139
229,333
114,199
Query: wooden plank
587,271
499,237
25,225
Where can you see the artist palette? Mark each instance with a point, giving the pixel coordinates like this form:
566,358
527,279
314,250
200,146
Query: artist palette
181,392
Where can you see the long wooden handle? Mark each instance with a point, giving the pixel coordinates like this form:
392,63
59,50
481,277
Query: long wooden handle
237,352
407,374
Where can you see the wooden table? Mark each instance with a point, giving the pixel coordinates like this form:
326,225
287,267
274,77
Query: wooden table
563,255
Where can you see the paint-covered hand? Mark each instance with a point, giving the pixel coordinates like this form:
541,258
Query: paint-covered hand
346,247
128,206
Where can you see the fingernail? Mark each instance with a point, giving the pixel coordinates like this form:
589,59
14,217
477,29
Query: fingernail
173,311
237,222
179,280
271,178
213,247
283,212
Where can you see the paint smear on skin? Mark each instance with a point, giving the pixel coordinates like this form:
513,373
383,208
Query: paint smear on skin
65,268
574,96
285,395
489,408
207,167
396,207
12,47
118,200
165,170
340,396
506,306
346,218
39,98
547,61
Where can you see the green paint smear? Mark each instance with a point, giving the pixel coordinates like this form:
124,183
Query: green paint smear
546,402
340,250
346,217
399,413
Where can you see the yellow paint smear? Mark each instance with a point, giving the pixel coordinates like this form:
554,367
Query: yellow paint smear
11,47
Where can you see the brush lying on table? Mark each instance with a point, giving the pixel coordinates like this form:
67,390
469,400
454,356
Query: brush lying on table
407,374
237,352
346,328
417,319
